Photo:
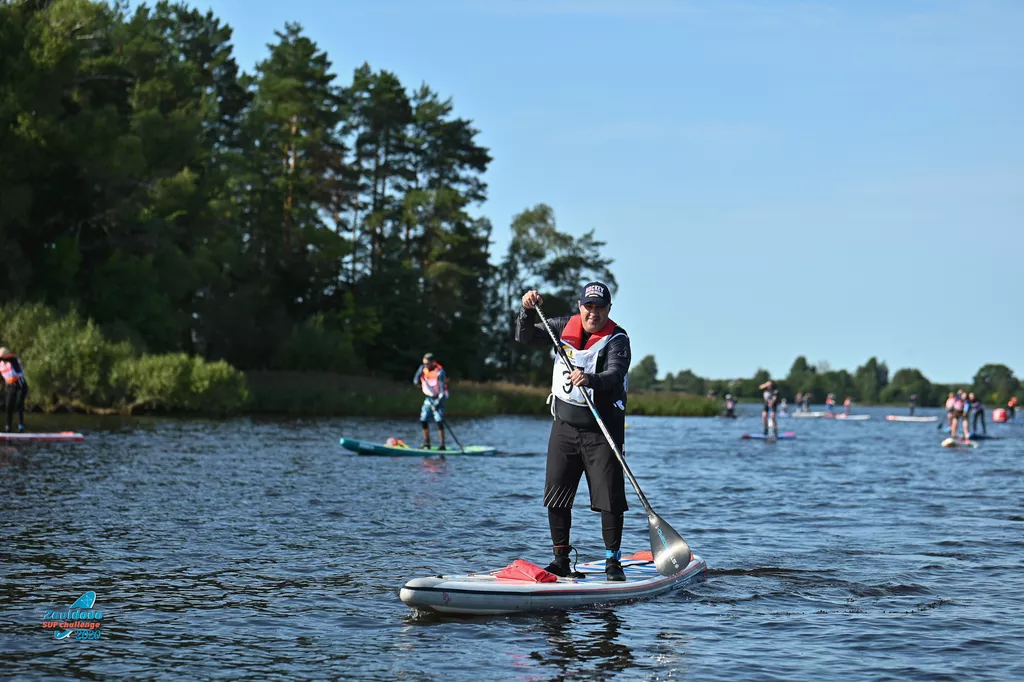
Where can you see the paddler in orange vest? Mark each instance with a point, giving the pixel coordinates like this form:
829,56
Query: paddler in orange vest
17,387
433,381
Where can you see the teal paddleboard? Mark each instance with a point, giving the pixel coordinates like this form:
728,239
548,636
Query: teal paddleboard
362,447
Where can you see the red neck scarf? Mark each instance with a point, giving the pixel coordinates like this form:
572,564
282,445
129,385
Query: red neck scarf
573,333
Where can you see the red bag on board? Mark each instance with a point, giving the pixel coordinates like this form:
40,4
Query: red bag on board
524,570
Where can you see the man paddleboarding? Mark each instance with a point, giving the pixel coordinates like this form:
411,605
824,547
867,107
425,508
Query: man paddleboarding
913,403
966,422
17,387
770,400
600,350
433,382
959,415
978,410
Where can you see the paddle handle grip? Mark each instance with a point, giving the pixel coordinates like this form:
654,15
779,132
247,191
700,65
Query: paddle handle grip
597,416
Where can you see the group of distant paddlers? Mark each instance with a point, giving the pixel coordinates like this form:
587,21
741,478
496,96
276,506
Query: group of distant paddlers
963,408
774,404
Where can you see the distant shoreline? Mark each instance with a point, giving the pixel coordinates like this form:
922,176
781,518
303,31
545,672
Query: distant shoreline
336,395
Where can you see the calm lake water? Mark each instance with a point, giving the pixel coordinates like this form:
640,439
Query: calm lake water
256,549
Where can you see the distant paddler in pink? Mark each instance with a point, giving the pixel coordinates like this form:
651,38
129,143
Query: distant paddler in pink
965,418
950,408
958,417
730,406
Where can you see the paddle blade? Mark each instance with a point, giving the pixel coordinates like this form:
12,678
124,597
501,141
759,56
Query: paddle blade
671,553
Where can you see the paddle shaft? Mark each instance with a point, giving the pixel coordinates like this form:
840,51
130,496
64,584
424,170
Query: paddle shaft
433,407
593,411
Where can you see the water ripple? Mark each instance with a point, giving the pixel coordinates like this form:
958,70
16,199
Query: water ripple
259,549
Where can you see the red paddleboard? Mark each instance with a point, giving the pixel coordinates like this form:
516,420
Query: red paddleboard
60,436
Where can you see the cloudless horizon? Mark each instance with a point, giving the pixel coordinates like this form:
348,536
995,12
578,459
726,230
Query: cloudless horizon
837,180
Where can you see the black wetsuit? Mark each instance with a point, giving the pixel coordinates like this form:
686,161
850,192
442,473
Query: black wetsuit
576,446
16,393
770,399
913,405
979,414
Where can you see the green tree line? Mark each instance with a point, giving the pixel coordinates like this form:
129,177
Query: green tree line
284,219
869,383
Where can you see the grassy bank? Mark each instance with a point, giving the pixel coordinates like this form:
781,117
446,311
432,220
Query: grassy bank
669,404
70,366
337,395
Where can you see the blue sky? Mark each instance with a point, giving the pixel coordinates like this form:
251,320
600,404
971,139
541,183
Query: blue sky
832,179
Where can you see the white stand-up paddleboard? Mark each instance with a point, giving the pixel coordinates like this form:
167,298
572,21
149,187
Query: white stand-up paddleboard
853,417
23,437
951,443
808,415
901,418
485,594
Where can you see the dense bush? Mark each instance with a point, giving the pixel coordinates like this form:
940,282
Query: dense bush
69,364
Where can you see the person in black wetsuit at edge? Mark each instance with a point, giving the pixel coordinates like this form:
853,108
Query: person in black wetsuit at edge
16,387
600,350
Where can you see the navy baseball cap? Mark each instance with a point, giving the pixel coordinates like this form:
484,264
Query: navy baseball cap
596,292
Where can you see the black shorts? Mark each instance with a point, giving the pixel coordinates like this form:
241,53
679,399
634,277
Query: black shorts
573,453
